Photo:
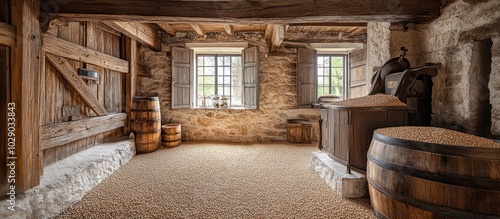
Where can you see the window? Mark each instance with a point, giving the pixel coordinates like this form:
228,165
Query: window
206,71
326,73
219,75
331,71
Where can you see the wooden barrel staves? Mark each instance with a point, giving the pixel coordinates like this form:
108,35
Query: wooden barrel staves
172,136
145,119
426,172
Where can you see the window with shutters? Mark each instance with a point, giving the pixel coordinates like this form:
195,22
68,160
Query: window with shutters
215,77
324,71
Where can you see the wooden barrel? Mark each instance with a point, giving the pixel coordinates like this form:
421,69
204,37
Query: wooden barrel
145,122
171,136
453,175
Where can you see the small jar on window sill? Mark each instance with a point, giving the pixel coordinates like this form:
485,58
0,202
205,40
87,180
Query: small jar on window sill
215,102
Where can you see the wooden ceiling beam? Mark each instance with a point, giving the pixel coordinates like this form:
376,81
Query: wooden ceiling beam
198,29
143,33
329,24
229,29
167,28
269,11
274,34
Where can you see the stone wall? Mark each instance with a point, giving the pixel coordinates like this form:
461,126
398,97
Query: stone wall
277,95
378,45
494,86
453,40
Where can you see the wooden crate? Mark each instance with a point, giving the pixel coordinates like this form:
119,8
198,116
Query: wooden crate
299,131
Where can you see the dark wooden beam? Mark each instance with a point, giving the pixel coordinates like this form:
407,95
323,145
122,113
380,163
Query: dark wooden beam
274,11
63,48
25,91
71,76
62,133
329,25
7,35
143,33
167,28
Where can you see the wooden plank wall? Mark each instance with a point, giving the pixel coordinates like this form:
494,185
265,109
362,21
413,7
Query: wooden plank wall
109,89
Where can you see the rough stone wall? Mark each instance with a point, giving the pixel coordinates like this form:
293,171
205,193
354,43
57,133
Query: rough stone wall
378,45
494,86
449,40
277,95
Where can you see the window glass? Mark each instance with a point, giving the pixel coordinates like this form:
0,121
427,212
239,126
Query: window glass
221,76
331,73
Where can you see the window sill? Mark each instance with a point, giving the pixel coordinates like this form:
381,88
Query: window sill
213,108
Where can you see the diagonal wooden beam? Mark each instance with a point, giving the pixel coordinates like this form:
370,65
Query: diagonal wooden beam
229,29
167,28
71,76
7,34
60,47
274,34
143,33
199,30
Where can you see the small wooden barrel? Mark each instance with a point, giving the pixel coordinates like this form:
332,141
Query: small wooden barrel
441,178
172,136
145,122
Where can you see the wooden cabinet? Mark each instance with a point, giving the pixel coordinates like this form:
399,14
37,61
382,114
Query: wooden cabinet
347,131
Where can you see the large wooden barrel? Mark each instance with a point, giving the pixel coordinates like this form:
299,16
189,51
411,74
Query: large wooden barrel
171,136
426,172
145,119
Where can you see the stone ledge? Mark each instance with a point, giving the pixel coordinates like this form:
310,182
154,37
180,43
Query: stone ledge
352,185
64,183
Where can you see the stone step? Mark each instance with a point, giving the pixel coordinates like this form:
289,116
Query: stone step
352,185
65,182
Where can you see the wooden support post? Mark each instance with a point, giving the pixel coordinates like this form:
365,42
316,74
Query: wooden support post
130,56
25,91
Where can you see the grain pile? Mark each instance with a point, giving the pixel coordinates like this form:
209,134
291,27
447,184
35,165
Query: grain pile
377,100
438,136
208,180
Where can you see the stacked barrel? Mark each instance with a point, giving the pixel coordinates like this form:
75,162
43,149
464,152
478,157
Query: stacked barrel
145,119
171,136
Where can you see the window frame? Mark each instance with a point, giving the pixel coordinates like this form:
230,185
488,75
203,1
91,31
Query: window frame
345,74
196,76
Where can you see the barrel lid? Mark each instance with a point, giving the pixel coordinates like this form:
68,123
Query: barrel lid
146,98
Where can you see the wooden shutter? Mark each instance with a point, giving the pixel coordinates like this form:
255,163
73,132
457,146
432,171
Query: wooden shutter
251,77
306,77
181,78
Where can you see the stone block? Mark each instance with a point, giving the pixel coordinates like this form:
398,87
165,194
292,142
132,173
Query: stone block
352,185
66,182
